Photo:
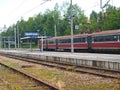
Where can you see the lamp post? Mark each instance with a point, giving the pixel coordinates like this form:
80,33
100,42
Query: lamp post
71,17
55,31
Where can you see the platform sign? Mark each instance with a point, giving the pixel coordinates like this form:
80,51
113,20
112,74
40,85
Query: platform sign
31,34
76,27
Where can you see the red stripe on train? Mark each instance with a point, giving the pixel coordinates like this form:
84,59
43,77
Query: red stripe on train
106,45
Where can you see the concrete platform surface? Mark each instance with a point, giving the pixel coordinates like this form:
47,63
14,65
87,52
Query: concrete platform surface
82,56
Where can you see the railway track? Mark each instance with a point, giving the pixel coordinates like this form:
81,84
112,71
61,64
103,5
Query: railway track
40,83
84,69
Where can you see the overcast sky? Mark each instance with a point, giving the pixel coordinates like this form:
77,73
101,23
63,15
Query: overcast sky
12,10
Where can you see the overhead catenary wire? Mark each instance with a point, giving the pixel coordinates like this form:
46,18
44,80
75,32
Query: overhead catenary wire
23,1
35,7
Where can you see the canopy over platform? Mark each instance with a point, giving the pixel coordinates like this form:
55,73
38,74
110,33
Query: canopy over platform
39,37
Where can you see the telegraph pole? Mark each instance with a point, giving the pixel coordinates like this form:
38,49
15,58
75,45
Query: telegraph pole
4,42
8,42
15,36
42,43
101,21
0,41
101,4
55,30
18,36
71,17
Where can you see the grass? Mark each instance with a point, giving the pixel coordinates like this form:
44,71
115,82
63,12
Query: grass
10,63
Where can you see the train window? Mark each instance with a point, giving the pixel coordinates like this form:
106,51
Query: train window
64,41
98,39
111,38
59,40
82,39
105,38
51,41
67,40
76,40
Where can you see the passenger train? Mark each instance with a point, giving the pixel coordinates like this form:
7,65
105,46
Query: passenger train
104,41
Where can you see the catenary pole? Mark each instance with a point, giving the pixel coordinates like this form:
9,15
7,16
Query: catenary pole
71,17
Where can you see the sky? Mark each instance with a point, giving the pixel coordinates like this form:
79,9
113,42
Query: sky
11,11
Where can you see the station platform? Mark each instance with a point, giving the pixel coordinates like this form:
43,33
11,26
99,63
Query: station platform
108,61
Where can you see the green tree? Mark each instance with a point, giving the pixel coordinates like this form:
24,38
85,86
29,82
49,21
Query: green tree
30,25
112,18
94,21
22,26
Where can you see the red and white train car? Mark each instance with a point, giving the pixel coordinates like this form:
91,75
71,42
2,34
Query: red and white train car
106,40
79,42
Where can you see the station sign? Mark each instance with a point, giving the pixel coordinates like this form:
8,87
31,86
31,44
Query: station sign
76,27
31,34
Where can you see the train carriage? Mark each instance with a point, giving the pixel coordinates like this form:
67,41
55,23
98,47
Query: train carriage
106,41
80,42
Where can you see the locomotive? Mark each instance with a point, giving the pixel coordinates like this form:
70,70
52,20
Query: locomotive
104,41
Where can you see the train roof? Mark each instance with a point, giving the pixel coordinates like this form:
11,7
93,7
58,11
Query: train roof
84,35
69,36
106,32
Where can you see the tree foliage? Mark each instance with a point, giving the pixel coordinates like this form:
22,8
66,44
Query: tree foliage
108,20
112,18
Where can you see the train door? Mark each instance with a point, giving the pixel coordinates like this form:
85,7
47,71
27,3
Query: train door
56,43
39,42
89,42
119,37
46,44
